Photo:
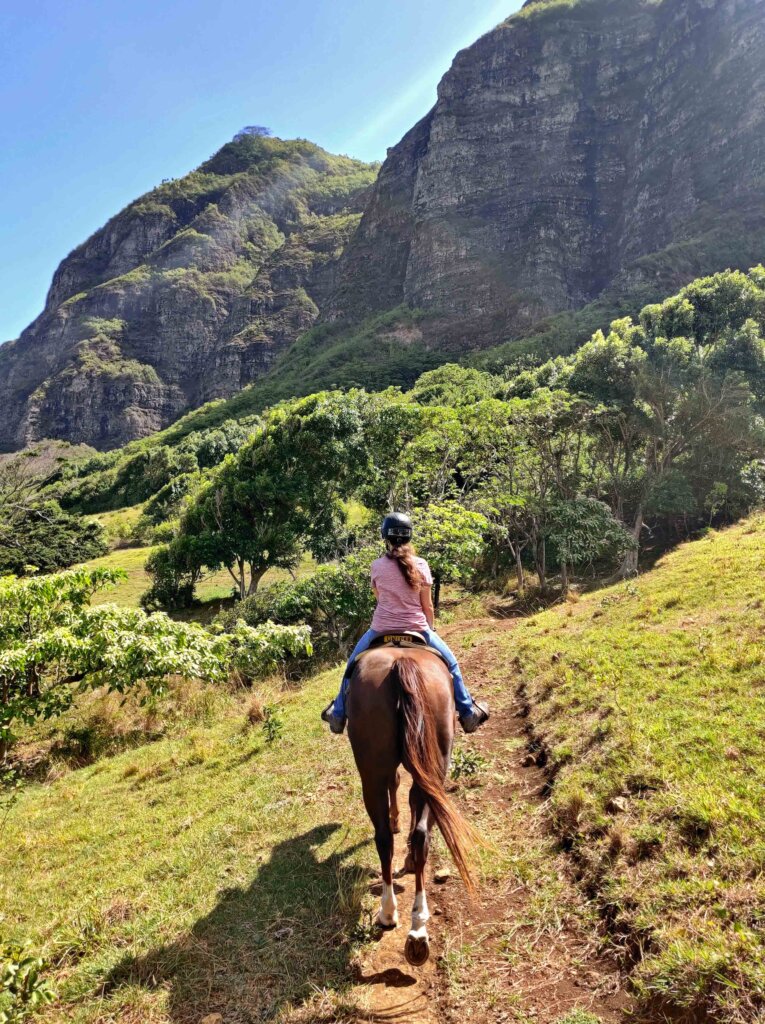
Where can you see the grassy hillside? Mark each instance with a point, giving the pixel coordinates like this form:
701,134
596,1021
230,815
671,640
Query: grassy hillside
143,874
214,590
648,698
162,881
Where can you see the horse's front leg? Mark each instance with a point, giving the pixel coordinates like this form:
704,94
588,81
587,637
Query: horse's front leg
417,948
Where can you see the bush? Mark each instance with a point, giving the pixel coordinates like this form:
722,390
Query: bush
23,989
336,601
53,645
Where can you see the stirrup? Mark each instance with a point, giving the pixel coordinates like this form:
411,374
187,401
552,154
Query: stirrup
336,722
475,718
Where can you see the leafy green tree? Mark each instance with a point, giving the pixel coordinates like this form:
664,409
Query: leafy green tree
284,487
451,537
676,402
175,571
53,644
584,531
35,531
454,385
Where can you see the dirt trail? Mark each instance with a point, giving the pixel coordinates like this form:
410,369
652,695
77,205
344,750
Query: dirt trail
527,949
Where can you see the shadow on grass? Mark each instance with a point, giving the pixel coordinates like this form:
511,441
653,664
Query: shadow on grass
271,943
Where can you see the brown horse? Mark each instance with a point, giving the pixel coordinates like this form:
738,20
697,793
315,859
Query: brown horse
401,711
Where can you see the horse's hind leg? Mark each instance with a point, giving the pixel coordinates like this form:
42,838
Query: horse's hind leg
376,803
417,948
415,810
393,795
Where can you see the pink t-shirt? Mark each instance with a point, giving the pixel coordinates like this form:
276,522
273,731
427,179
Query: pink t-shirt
398,604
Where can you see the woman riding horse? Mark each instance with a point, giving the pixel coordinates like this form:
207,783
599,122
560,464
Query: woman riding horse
401,582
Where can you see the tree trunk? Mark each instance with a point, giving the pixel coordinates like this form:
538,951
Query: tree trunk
241,580
563,578
520,576
437,591
629,566
256,575
540,557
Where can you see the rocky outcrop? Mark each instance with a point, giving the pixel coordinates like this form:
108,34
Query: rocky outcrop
578,146
185,296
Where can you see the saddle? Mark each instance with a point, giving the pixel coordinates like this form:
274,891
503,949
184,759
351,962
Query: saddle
407,638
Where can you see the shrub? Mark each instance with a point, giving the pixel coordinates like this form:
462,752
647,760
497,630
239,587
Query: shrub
53,644
336,602
23,989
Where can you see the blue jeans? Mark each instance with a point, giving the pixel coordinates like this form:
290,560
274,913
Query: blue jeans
462,698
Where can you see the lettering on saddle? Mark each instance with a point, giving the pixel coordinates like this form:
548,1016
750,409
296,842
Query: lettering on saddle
404,639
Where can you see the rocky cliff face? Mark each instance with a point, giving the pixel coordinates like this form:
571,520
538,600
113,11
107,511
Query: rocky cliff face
578,146
185,296
584,150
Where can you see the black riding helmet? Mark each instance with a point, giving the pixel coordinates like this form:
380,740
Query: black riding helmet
397,528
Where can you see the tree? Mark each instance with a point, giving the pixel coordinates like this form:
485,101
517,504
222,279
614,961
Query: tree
48,538
264,505
35,531
584,531
454,385
252,130
451,538
677,402
53,644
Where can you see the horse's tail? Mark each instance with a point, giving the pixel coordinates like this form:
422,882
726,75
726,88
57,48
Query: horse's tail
424,761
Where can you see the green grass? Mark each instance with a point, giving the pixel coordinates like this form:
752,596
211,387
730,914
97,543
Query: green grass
209,871
120,525
650,697
214,589
204,872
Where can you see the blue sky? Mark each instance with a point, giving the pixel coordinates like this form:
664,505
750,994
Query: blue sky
101,99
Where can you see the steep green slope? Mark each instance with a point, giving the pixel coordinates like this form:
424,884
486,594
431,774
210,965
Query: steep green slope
648,700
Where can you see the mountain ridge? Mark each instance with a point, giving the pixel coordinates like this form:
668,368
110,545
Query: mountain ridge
583,158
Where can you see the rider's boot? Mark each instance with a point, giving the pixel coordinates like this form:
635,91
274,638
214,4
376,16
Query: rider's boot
336,722
474,719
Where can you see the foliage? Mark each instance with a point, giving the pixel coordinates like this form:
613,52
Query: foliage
585,531
273,723
48,538
451,538
454,385
282,489
53,643
335,601
34,531
23,988
467,763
